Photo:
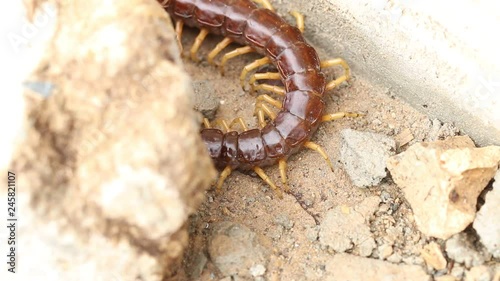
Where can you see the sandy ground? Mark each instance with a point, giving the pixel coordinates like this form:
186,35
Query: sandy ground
247,200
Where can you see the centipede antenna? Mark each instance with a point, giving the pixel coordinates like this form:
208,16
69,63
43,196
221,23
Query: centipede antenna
197,43
339,115
299,20
178,31
265,178
222,177
252,66
218,48
282,167
317,148
234,53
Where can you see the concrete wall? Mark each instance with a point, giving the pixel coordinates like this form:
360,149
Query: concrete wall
442,57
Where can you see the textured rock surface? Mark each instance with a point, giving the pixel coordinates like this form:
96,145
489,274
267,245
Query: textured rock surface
113,159
364,155
433,256
236,250
345,228
344,267
460,248
487,222
442,181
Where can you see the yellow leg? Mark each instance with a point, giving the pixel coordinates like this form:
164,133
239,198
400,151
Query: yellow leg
220,46
197,43
265,178
252,66
234,53
206,123
268,99
317,148
265,75
240,122
269,88
282,167
223,124
262,109
299,19
222,177
178,31
335,62
338,115
265,4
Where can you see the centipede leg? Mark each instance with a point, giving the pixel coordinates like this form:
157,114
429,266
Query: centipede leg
282,168
260,110
206,123
197,43
252,66
267,75
240,122
265,3
178,31
222,177
339,115
223,124
234,53
339,80
218,48
299,20
317,148
266,178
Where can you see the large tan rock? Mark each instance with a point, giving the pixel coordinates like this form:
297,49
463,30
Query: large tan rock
113,159
442,180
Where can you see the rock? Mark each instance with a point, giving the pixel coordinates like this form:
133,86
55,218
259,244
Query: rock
344,267
442,180
344,228
385,251
433,256
479,273
284,220
364,156
445,278
204,101
461,249
117,144
439,131
487,222
236,250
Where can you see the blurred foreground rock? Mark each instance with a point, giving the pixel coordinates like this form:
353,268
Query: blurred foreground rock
113,164
442,180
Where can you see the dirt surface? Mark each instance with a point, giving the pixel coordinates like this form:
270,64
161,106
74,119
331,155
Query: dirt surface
292,224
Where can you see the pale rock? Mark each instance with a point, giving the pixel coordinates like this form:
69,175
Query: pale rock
433,256
344,267
236,250
364,155
487,222
461,249
345,228
442,180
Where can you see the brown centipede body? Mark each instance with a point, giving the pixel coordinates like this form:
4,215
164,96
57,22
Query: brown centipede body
298,66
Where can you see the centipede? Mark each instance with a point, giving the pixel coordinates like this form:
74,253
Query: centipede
255,26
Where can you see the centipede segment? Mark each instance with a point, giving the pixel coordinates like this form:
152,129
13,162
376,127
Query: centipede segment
298,67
